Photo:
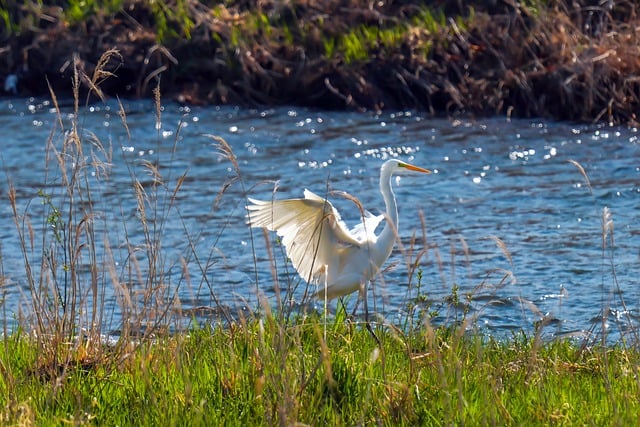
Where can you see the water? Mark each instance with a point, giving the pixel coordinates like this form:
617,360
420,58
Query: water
511,226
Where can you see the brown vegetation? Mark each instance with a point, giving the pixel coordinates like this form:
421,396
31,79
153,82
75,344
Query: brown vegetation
565,60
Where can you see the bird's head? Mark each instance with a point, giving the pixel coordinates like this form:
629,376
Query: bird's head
398,167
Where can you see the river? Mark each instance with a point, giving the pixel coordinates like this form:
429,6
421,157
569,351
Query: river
523,222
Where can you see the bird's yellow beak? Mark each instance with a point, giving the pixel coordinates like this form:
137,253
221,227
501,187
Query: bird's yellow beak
415,168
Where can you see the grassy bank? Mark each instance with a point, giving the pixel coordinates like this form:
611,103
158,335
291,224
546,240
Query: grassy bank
270,372
566,60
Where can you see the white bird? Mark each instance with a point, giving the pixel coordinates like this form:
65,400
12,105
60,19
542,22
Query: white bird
321,248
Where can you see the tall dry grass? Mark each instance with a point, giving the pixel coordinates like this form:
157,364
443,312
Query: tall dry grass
74,261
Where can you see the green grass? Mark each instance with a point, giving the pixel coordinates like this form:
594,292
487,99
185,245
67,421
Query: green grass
360,43
267,372
78,11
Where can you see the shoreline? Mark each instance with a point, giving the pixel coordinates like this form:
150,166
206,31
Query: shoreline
559,61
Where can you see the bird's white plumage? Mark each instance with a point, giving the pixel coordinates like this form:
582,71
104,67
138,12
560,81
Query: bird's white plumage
310,229
366,229
321,248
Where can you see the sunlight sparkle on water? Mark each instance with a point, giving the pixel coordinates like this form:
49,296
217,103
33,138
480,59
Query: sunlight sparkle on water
552,153
359,142
314,164
389,152
522,154
251,148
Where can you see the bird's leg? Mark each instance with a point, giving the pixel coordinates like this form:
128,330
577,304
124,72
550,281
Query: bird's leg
357,304
363,292
326,285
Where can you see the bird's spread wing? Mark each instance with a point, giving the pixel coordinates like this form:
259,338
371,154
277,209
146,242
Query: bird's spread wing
310,228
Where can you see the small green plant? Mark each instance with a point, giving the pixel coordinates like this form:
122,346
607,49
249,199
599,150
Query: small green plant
79,11
173,20
5,18
432,21
358,44
329,44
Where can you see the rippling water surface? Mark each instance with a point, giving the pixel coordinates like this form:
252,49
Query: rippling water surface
510,223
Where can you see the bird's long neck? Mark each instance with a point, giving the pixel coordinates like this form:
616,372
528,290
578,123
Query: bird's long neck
389,232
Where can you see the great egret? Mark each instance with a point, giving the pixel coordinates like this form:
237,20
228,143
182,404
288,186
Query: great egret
321,248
